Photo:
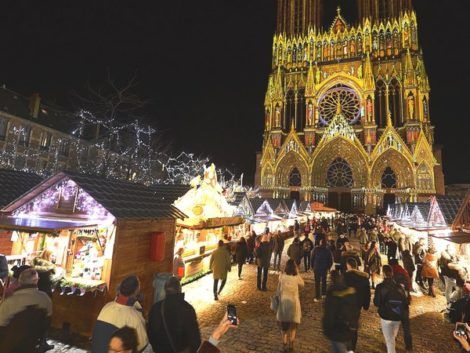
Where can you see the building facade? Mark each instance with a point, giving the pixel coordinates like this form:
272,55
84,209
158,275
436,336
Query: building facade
347,109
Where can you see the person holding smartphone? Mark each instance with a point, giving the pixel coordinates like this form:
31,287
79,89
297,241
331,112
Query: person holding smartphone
461,334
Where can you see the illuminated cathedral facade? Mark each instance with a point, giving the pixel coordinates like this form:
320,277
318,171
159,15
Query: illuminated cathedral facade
347,109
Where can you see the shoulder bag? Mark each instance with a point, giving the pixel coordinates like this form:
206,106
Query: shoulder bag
170,340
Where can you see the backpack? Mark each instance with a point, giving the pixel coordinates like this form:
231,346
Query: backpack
395,303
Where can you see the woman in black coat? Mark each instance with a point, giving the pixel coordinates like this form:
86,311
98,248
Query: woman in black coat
241,253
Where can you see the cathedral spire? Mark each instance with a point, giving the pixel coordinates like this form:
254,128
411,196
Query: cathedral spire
278,92
369,81
310,90
410,73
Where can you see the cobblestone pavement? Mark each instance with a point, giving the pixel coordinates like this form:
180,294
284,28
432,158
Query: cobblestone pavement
258,331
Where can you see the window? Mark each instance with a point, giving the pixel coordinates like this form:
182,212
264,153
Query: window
45,140
395,102
3,128
64,148
389,179
380,103
300,109
295,178
290,109
24,136
339,174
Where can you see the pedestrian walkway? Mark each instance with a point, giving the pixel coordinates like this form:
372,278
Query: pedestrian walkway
258,331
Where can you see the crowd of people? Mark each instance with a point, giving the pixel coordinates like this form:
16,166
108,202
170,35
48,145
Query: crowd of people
385,269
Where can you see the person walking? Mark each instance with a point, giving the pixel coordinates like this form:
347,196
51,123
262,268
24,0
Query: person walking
220,264
250,242
278,249
392,302
363,237
419,252
373,262
125,310
360,282
429,271
172,324
289,311
295,251
297,228
449,270
322,261
341,313
241,254
262,261
409,265
307,246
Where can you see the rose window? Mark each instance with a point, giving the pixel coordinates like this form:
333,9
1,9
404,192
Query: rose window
349,100
339,174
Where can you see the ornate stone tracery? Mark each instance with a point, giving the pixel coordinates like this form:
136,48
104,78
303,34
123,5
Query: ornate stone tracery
379,138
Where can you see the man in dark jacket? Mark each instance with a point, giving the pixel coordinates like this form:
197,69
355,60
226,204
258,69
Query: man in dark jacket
322,260
262,261
419,252
172,324
307,246
295,251
393,306
278,249
360,282
341,313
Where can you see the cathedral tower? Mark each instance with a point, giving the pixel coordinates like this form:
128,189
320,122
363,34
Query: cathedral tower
347,109
377,10
296,17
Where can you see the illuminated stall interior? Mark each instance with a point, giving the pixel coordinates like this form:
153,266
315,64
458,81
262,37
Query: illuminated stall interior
64,229
209,218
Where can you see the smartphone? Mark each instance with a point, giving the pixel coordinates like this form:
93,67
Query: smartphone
460,329
232,314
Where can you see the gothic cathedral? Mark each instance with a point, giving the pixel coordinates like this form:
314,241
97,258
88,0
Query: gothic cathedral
347,109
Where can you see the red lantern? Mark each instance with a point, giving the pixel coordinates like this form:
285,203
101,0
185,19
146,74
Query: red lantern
157,247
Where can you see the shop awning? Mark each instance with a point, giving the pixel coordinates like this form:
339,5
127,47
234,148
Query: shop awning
40,225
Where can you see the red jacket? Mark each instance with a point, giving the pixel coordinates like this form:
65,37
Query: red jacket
399,271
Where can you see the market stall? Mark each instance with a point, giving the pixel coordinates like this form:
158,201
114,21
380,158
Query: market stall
92,233
210,218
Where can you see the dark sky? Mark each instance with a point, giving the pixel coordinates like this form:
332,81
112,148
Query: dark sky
204,64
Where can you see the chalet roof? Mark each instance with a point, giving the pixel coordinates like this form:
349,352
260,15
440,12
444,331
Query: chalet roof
290,203
48,115
449,206
423,208
304,206
124,200
14,184
256,203
169,192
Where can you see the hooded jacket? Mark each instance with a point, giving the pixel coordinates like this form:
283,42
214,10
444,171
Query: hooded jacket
181,321
341,313
360,282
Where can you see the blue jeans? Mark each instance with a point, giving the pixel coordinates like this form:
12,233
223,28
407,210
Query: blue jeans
338,347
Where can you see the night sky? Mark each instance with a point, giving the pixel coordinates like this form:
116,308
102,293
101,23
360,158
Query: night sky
204,65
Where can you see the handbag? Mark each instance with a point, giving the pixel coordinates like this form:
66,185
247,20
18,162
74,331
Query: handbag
170,339
276,298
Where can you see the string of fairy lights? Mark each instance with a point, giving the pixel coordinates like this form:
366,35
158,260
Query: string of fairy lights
124,151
